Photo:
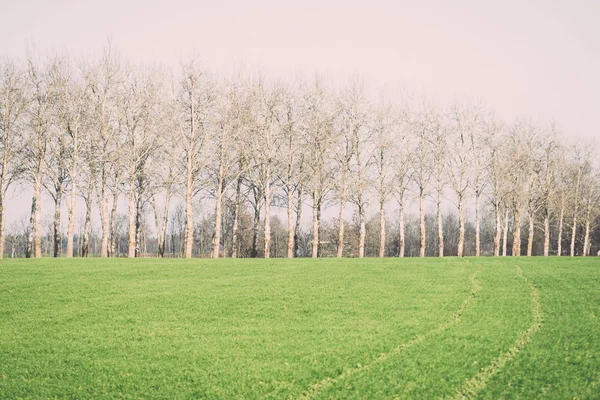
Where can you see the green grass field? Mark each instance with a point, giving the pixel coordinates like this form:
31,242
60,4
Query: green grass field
434,328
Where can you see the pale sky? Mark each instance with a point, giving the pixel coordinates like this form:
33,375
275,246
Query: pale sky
535,58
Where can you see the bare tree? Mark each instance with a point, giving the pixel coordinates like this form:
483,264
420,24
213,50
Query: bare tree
12,104
385,124
495,175
195,99
465,121
318,135
102,80
291,171
40,121
422,125
355,111
581,155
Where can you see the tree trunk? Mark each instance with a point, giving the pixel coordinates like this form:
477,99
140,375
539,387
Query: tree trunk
573,233
268,213
104,220
189,221
290,222
477,225
440,222
113,227
461,226
381,229
71,224
530,237
505,233
343,196
236,218
87,225
362,232
315,242
29,252
516,247
132,209
586,239
216,240
297,225
255,225
57,250
575,211
140,242
163,227
401,239
422,224
561,218
546,234
2,208
37,194
498,230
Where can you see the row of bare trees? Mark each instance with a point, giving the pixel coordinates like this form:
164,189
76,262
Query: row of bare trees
100,131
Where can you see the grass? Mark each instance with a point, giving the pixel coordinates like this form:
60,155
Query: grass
327,328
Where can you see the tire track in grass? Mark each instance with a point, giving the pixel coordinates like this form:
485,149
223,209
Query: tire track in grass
456,317
473,386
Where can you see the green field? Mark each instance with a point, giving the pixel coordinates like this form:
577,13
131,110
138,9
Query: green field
328,328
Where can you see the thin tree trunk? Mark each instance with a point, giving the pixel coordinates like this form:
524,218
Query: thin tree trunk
461,226
113,223
216,240
343,196
2,208
29,252
71,223
315,242
586,239
362,232
56,225
163,227
530,237
573,234
255,225
236,218
440,222
575,211
140,247
505,233
2,218
104,219
422,224
516,247
477,225
297,225
268,213
132,209
37,194
561,218
290,221
546,234
401,239
498,230
189,221
87,225
381,229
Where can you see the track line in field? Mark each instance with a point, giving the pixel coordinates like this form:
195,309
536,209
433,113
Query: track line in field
473,386
456,317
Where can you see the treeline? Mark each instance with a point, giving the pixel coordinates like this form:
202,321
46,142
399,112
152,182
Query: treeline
204,163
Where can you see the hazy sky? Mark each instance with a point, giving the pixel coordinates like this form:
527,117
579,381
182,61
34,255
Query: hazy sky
535,58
